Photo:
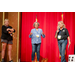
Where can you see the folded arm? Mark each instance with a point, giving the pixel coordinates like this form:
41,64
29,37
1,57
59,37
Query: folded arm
12,30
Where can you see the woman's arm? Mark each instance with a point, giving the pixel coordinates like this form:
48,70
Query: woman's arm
67,35
43,35
69,40
4,30
12,30
30,35
56,33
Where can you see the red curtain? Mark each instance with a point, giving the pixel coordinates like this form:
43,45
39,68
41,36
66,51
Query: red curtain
69,22
48,23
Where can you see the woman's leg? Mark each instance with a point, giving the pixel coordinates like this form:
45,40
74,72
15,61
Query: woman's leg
3,49
38,52
33,51
60,47
63,51
9,51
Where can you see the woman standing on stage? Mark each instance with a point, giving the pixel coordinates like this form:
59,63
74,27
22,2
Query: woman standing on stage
7,39
35,36
62,35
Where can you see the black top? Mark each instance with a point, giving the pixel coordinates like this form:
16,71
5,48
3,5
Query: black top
64,34
5,34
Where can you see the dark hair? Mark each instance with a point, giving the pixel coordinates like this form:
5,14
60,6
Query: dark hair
36,22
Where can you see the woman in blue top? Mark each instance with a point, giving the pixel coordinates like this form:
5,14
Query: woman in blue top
35,36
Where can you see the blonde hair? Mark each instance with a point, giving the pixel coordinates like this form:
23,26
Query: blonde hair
6,20
61,23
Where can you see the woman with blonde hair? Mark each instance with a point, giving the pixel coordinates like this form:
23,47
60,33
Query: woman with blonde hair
62,35
7,39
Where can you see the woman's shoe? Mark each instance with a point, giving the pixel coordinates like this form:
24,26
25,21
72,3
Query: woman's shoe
11,61
2,60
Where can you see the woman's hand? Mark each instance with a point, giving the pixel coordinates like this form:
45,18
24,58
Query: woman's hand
42,33
9,32
31,34
8,29
57,31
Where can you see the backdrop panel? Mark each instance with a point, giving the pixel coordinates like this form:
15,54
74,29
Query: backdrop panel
48,23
